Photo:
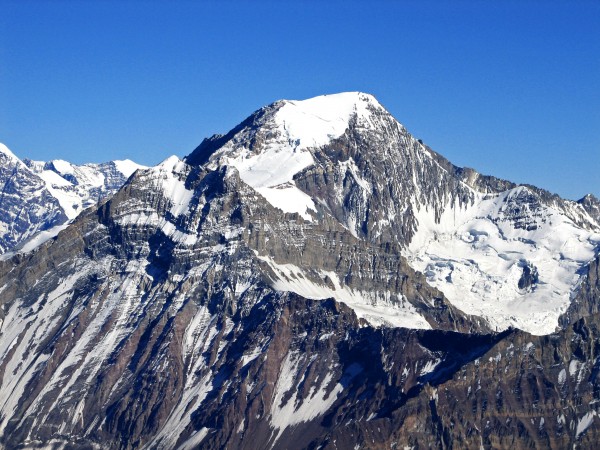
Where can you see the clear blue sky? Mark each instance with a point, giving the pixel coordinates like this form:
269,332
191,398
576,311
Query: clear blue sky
511,88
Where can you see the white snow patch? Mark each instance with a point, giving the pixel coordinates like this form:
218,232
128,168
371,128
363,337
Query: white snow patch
430,366
573,367
63,167
34,242
584,423
249,357
318,401
325,336
127,167
195,440
316,121
375,307
289,199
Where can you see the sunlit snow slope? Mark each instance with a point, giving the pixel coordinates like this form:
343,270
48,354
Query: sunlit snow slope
491,264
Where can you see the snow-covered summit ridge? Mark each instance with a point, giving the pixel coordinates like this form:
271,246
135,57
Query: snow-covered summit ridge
274,144
319,120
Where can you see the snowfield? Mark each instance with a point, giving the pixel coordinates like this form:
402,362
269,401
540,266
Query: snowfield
476,254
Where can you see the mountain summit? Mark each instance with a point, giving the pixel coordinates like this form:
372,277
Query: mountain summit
509,254
315,278
273,144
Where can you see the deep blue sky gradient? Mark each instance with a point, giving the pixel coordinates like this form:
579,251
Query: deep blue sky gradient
511,88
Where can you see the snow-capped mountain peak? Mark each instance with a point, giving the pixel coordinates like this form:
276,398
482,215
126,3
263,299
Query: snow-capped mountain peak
127,166
277,142
191,296
40,196
319,120
486,243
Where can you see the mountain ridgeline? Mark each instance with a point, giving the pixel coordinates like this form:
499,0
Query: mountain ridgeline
315,278
38,198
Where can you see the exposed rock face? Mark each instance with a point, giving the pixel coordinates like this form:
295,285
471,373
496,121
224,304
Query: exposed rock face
173,300
585,301
529,277
591,205
525,392
39,197
212,303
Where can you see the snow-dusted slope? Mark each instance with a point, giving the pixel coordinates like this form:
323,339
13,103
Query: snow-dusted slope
379,306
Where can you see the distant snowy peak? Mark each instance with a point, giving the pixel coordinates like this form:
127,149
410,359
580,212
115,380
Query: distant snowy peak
77,187
38,196
90,173
127,166
5,151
